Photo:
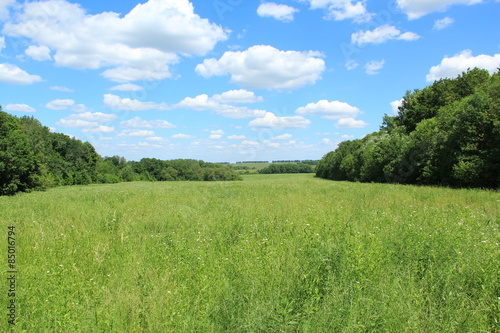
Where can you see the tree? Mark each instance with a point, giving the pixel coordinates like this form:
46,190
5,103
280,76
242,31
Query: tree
18,165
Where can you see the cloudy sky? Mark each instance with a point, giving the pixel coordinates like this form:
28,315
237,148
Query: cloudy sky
231,80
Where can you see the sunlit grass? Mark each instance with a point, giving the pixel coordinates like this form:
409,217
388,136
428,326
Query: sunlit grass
279,253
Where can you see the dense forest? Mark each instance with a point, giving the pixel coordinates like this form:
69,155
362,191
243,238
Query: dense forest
33,158
287,168
445,134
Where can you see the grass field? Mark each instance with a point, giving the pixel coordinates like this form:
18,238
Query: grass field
272,253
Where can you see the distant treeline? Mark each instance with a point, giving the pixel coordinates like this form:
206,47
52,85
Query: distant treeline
287,168
445,134
32,157
310,162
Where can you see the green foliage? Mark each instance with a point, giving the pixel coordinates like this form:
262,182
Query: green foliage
446,134
31,157
18,166
274,253
287,168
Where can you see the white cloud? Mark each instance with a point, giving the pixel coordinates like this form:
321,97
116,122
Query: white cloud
182,136
237,96
381,35
117,103
63,89
89,122
136,133
126,74
443,23
4,8
97,116
137,122
451,67
342,9
372,67
272,121
12,74
418,8
65,122
249,143
350,123
216,134
39,53
204,103
19,108
347,137
156,139
351,64
329,110
283,137
280,12
2,42
326,141
265,67
127,87
138,45
236,137
60,104
395,106
272,144
99,129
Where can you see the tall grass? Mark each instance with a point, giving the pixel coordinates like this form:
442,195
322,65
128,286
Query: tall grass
274,253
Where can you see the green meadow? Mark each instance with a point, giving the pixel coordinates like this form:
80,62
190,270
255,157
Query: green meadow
271,253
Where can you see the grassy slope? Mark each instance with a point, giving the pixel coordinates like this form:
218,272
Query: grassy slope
272,253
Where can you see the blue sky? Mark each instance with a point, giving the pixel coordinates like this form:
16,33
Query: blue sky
231,80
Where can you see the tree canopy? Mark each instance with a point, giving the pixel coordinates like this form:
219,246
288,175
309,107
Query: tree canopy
445,134
32,157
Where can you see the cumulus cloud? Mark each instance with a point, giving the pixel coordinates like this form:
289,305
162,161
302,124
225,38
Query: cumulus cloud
137,122
415,9
139,45
216,134
283,137
237,96
19,108
270,120
339,10
351,64
372,67
127,87
236,137
117,103
182,136
63,89
329,110
395,106
443,23
2,43
99,129
265,67
4,8
39,53
351,123
280,12
12,74
60,104
382,34
156,139
451,67
205,103
89,122
136,133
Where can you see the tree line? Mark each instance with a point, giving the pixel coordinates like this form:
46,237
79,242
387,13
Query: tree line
34,158
445,134
287,168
